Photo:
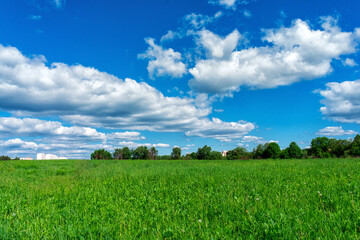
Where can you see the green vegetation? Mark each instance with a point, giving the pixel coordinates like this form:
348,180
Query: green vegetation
266,199
321,147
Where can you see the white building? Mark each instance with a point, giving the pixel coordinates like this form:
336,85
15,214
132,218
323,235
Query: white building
26,158
224,153
43,156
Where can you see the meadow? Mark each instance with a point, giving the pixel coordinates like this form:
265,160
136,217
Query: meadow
264,199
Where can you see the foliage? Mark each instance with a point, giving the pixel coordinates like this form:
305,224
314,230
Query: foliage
272,151
203,153
291,152
258,152
355,146
238,153
153,153
320,147
101,154
126,153
176,153
118,153
215,155
141,152
4,158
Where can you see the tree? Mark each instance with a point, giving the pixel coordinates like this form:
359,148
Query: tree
118,153
257,152
4,158
203,153
272,151
141,152
294,151
238,153
153,153
337,148
127,153
176,153
101,154
285,154
355,146
320,147
215,155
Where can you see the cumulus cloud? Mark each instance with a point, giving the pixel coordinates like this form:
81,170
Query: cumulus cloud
18,144
292,54
216,46
86,97
163,62
335,131
37,127
223,131
341,101
135,145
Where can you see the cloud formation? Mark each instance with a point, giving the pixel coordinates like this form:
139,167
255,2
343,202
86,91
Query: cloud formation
293,54
163,62
341,101
335,131
87,97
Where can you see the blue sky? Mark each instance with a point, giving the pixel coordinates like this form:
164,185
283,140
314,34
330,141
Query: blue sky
76,77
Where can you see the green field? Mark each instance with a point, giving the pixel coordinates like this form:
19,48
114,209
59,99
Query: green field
288,199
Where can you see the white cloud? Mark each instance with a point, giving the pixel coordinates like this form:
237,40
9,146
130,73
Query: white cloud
223,131
216,46
349,62
87,97
224,3
198,21
293,54
252,139
18,144
342,101
170,35
335,131
125,135
131,144
163,62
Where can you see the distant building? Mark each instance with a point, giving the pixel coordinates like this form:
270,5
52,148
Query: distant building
224,153
43,156
27,158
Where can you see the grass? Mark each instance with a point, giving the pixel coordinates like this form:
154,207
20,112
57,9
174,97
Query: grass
286,199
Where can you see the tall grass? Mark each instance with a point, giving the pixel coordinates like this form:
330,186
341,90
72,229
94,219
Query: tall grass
289,199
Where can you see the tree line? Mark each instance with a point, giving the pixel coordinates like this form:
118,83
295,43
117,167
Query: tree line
321,147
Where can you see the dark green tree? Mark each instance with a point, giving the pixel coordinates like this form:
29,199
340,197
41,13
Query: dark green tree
203,153
127,153
320,147
101,154
176,153
153,153
141,152
215,155
355,146
238,153
118,153
4,158
272,151
257,152
294,151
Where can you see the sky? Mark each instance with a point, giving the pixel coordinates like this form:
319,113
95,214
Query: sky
76,77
